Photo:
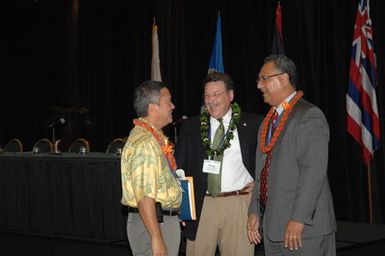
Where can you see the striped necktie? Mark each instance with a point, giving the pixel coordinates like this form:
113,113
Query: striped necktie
265,169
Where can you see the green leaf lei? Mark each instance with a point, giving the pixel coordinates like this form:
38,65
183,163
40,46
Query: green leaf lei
204,129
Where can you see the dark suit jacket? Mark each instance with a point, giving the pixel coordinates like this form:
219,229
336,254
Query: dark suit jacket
190,155
298,187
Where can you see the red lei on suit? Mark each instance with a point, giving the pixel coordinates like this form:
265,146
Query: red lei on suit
288,107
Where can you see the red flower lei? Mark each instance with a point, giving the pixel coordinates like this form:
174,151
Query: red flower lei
166,146
262,137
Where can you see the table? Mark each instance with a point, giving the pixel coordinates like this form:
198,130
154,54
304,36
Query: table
66,194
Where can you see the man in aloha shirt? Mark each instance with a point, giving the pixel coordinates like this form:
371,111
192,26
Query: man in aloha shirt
147,167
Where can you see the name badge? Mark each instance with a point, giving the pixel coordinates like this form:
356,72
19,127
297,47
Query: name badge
211,166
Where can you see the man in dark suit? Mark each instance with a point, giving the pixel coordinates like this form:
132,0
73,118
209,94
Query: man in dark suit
218,149
292,201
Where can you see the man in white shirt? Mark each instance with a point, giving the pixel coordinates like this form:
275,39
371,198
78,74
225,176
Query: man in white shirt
218,149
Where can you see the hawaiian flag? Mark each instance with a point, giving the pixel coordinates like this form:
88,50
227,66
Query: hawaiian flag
278,47
155,60
216,60
362,115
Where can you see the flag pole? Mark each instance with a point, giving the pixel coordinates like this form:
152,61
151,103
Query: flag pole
370,193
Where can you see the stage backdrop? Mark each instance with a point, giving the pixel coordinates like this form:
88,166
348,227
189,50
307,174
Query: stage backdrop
85,57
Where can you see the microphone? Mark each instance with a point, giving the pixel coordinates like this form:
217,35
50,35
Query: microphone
179,120
174,125
58,121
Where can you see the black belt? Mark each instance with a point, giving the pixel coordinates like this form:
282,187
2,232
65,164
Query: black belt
169,212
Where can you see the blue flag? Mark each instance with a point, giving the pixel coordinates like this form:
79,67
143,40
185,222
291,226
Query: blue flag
216,61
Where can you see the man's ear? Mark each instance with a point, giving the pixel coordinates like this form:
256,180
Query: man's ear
152,107
284,79
231,92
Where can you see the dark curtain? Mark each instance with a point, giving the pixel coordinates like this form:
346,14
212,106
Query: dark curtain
95,52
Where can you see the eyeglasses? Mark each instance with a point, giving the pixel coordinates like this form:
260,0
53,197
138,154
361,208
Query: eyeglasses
264,78
213,95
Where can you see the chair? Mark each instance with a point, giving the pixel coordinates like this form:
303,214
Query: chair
78,145
116,146
13,145
42,146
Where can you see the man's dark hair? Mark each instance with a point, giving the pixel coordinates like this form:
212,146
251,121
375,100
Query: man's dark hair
218,76
146,93
286,65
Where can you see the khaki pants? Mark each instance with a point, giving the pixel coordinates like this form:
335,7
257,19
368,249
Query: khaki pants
223,222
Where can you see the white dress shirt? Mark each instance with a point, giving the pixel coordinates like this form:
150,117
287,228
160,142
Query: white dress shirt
234,174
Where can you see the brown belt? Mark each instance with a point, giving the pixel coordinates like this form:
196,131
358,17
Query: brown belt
230,193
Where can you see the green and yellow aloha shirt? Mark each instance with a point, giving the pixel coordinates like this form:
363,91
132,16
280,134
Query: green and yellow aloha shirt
145,172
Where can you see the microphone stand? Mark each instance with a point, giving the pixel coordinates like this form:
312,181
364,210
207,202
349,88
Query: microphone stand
175,134
54,140
174,124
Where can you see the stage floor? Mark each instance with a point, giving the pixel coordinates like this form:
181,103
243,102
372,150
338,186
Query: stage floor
353,239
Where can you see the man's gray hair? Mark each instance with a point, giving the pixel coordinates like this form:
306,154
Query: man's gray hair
286,65
146,93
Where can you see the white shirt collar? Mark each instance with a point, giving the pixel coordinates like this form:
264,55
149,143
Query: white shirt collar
280,108
225,119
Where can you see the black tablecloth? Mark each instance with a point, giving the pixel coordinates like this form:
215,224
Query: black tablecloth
69,194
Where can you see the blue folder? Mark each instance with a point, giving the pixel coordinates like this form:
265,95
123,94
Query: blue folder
187,208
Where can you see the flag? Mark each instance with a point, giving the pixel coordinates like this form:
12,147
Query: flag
155,61
216,60
278,47
362,115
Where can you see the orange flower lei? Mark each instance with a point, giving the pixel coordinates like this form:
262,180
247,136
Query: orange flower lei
262,137
166,146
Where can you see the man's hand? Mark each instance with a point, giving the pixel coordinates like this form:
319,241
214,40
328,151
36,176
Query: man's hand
293,235
252,229
158,247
